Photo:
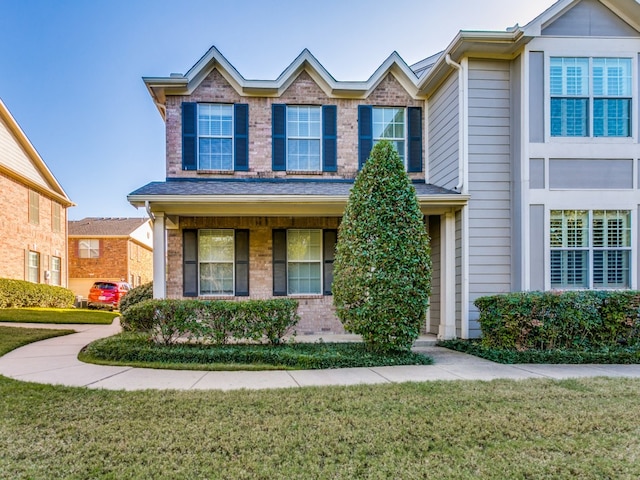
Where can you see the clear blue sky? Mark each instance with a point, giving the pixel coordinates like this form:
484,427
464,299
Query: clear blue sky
70,70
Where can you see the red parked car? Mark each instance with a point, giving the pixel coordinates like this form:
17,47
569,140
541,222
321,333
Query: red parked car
106,294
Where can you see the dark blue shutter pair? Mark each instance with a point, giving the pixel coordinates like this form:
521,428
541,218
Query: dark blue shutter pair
279,138
279,252
190,136
190,263
414,129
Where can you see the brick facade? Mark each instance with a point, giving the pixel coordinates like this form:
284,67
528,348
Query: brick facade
20,236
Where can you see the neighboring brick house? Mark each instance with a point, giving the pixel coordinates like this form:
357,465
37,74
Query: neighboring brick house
33,211
522,146
117,249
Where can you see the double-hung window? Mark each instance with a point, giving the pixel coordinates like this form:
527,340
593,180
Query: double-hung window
33,267
389,124
304,135
590,249
304,262
216,261
56,266
590,96
89,248
215,137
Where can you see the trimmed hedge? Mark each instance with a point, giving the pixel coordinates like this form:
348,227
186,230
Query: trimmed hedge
136,295
560,320
20,294
215,321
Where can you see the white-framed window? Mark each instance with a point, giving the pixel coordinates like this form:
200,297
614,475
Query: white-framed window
304,135
89,248
590,96
215,136
34,207
33,267
56,269
590,249
389,124
216,254
304,261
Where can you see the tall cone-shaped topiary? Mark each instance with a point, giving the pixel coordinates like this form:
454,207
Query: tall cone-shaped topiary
382,268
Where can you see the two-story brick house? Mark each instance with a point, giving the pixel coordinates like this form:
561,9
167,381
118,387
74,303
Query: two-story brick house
522,145
33,208
114,249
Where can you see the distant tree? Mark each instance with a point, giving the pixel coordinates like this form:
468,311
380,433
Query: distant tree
382,268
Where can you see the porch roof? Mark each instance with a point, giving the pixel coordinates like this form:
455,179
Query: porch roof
270,197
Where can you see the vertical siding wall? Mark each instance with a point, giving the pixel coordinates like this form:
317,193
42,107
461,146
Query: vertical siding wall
434,300
490,171
443,148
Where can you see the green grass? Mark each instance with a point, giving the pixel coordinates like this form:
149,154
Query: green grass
14,337
585,429
56,315
570,429
620,355
135,350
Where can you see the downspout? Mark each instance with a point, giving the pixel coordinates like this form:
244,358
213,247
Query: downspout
462,187
462,127
149,212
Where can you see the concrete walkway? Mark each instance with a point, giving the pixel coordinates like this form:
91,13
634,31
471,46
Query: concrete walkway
54,361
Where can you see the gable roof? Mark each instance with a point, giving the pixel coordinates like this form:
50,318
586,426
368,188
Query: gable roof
105,227
20,160
178,84
508,43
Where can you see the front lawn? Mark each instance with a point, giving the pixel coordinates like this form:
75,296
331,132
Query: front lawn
619,355
14,337
56,315
135,350
569,429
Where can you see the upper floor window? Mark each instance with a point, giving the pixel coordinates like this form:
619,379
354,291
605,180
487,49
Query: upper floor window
590,96
89,248
34,207
389,124
304,134
56,217
402,126
215,137
590,249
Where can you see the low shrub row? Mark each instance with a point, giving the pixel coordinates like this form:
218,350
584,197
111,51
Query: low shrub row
136,295
215,321
135,349
560,320
20,294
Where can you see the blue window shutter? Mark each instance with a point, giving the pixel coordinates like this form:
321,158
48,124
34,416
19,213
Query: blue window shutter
241,136
329,139
329,241
414,163
242,263
189,136
365,133
190,263
279,252
279,137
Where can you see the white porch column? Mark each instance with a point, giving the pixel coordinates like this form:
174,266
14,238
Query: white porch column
159,250
447,327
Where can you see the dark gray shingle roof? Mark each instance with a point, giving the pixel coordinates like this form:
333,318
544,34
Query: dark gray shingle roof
264,187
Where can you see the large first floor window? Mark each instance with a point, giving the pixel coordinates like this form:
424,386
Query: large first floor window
590,248
33,267
216,261
304,262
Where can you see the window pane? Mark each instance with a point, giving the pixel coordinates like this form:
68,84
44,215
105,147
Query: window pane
569,76
611,228
303,245
34,267
611,268
216,245
304,132
569,269
303,278
612,77
215,137
569,117
216,279
304,255
216,259
612,117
